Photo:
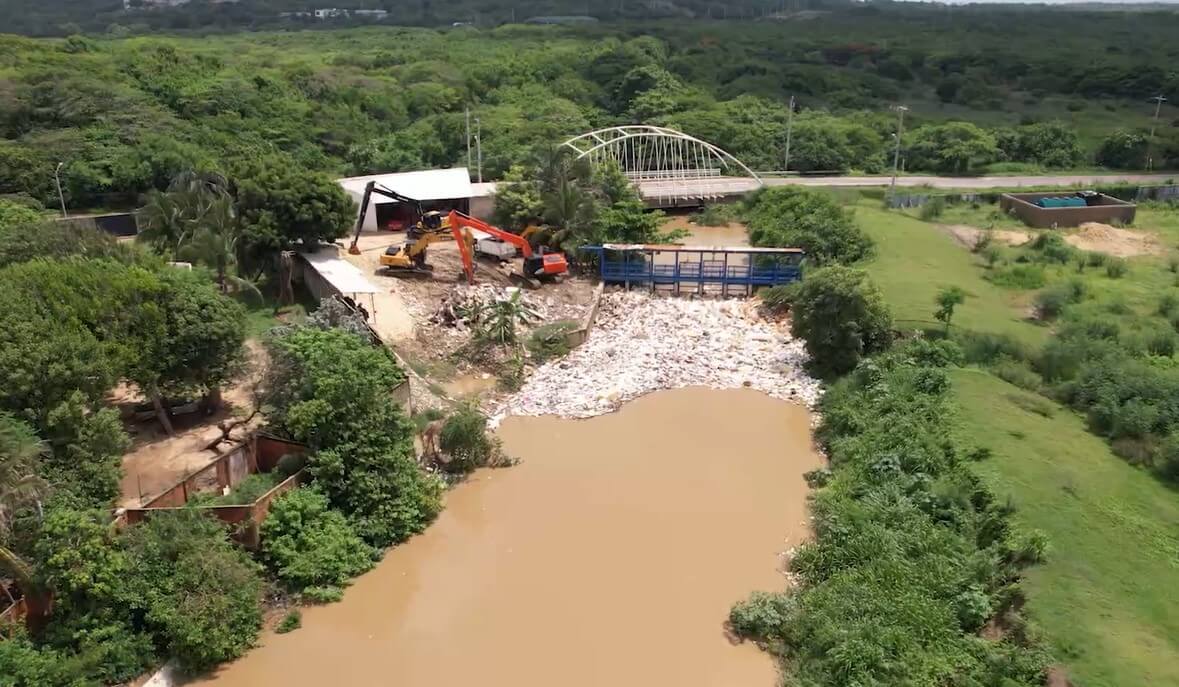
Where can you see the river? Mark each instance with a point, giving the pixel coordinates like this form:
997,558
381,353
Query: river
610,556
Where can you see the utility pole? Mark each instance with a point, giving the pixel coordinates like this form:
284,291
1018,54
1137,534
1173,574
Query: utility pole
1158,106
60,195
467,111
896,153
789,126
479,147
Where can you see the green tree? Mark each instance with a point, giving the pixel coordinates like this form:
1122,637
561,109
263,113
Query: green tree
517,200
282,205
947,300
1123,149
330,389
198,594
793,217
306,543
842,316
953,147
1050,144
21,489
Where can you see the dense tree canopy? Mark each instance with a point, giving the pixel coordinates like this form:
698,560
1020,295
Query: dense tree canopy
842,316
795,217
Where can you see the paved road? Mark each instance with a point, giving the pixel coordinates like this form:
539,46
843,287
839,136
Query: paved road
730,186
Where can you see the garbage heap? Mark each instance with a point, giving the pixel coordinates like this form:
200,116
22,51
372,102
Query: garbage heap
643,343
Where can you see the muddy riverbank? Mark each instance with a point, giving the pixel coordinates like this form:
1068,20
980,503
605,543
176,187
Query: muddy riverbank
609,556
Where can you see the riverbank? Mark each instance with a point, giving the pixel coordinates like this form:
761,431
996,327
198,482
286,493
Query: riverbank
645,343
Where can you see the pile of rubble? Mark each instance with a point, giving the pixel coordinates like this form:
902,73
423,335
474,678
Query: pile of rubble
464,304
642,344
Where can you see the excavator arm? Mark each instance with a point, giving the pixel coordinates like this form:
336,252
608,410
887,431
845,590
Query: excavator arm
369,189
462,223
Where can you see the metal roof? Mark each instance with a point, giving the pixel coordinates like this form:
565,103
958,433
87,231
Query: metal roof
427,184
340,273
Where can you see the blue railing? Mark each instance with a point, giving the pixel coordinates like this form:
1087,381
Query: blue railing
638,268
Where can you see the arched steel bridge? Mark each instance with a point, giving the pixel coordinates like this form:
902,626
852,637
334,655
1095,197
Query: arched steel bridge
667,166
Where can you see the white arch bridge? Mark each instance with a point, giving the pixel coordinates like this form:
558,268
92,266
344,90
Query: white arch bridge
668,167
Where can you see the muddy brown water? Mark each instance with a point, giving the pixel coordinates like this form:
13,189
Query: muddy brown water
610,556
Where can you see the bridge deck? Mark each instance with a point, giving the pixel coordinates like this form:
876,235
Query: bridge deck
703,269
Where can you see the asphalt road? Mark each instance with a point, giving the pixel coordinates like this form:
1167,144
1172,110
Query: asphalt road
670,189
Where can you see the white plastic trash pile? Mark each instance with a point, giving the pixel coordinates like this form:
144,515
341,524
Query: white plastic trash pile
642,344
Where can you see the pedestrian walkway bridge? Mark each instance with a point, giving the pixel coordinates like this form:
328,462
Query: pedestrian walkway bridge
718,270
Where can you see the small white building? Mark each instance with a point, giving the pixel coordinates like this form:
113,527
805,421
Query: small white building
437,189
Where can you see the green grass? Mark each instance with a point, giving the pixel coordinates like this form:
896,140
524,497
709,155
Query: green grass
915,259
1105,598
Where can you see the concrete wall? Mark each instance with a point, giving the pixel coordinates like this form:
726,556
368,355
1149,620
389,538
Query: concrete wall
1107,209
578,336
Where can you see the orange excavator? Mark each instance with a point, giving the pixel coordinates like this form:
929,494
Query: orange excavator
534,266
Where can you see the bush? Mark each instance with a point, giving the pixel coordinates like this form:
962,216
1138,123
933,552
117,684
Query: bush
1016,372
762,615
777,299
984,347
293,620
306,543
250,489
1096,259
549,341
1051,302
1168,304
1116,268
323,595
1166,458
842,317
198,592
1051,247
1024,277
911,553
714,215
794,217
465,439
290,464
933,209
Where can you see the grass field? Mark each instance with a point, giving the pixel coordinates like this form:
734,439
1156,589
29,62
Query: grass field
1105,598
914,260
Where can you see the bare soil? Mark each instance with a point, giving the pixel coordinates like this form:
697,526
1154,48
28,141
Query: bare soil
968,236
1122,243
157,461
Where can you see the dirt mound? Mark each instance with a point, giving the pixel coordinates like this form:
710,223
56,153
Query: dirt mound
1122,243
968,236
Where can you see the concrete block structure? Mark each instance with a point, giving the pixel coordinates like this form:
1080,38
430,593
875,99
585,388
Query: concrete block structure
1056,209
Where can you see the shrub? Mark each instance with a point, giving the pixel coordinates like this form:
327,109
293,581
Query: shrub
1051,302
794,217
842,317
1166,458
323,595
933,209
306,543
911,553
991,255
983,347
1173,264
761,615
1024,277
252,488
1168,304
1096,259
198,592
1116,268
1016,372
714,215
465,439
1051,247
550,340
777,299
293,620
290,464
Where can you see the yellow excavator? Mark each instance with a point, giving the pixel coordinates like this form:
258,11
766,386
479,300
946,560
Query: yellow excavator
410,257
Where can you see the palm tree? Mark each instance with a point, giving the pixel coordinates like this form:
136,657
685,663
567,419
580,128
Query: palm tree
20,490
214,244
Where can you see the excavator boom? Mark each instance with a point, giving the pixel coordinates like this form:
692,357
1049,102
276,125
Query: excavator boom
369,189
545,264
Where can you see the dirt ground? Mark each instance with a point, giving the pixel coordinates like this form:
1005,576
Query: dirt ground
1122,243
405,316
157,461
968,236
